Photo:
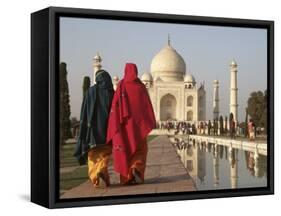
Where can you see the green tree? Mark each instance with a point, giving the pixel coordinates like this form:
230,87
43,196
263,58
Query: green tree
231,125
257,108
209,127
263,120
231,117
216,125
225,127
221,125
86,84
246,124
73,121
64,112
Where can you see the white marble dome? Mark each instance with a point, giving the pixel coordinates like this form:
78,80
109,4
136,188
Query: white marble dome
97,57
216,82
168,64
146,77
188,78
233,63
116,78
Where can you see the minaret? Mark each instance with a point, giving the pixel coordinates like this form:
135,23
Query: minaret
256,167
201,163
216,166
115,82
169,41
216,110
97,66
233,90
233,160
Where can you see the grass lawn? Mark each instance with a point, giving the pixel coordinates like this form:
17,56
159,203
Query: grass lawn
72,179
67,156
69,180
151,137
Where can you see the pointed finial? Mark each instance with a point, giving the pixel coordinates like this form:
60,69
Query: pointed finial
233,62
169,42
97,57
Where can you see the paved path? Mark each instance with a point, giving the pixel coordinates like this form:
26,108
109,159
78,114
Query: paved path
164,173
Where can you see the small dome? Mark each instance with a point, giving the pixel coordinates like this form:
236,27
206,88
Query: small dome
168,64
188,78
97,57
233,63
115,78
216,82
157,79
146,77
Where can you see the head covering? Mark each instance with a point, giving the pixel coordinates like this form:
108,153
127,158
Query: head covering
103,80
94,115
131,73
131,118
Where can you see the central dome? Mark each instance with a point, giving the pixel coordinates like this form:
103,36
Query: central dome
168,65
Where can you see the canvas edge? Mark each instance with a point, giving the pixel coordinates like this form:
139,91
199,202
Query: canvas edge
57,11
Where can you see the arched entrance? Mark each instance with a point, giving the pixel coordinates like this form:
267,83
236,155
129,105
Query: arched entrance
168,105
189,101
189,116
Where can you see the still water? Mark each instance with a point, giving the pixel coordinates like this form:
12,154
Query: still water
215,166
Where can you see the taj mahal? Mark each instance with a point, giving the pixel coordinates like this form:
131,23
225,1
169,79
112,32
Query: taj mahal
174,93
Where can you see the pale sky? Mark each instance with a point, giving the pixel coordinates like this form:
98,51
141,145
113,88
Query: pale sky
207,51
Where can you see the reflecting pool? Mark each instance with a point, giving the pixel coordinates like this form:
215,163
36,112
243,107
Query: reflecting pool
214,166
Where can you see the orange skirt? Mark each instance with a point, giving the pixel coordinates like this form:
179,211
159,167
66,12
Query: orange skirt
98,159
138,162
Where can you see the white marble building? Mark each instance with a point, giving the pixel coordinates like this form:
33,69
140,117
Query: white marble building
174,93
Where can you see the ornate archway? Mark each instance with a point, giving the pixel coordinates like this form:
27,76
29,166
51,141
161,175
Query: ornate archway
189,116
168,105
189,101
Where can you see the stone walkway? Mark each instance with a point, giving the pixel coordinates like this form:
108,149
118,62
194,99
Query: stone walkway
164,173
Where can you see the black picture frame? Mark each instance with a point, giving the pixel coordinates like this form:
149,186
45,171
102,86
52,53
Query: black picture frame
44,106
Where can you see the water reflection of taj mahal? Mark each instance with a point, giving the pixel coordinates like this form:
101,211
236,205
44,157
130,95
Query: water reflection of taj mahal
206,161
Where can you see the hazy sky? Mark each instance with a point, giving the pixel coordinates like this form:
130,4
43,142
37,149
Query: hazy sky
207,51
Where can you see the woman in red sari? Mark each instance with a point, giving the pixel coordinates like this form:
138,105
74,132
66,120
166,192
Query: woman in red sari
130,121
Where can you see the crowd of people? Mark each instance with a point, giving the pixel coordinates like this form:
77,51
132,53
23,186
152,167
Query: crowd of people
178,126
211,128
183,127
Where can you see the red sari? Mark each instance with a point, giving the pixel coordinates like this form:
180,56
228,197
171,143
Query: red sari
130,121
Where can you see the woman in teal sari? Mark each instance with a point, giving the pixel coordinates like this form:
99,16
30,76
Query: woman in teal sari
91,144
